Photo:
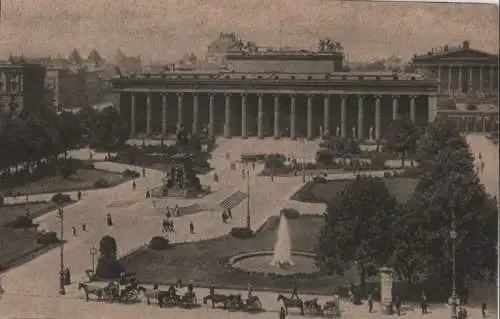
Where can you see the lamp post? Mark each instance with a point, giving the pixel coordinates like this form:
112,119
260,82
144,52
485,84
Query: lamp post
453,235
93,253
303,142
60,212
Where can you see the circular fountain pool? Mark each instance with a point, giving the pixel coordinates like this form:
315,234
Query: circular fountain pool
260,262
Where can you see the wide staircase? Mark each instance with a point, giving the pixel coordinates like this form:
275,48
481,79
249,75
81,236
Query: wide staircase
234,200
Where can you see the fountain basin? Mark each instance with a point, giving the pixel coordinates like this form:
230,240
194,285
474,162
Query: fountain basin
260,262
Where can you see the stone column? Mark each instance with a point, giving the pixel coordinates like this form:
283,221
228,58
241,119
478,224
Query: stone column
164,114
343,115
211,115
309,117
196,112
481,77
439,78
492,77
227,125
395,101
360,117
377,117
471,69
460,79
412,108
293,116
179,109
132,117
260,116
276,116
432,105
450,70
326,114
244,115
148,114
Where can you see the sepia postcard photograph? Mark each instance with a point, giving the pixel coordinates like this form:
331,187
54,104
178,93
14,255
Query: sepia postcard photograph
234,159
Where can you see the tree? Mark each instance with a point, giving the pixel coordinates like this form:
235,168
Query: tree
109,130
449,192
401,137
357,228
70,131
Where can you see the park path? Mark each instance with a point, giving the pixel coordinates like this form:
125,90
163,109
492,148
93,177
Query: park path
36,282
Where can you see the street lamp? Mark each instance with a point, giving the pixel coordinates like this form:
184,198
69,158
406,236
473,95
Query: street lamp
302,144
60,212
453,235
93,253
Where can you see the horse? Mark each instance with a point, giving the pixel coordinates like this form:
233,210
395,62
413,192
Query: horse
218,298
91,290
291,303
312,307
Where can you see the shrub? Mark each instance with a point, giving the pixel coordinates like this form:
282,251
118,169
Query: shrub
61,198
241,232
48,238
319,179
128,173
274,161
159,243
101,183
387,174
290,213
22,222
324,157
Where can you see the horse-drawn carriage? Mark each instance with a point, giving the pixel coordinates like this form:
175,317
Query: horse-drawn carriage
112,291
311,307
234,302
170,297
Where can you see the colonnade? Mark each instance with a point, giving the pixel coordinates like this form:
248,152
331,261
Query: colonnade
486,72
341,129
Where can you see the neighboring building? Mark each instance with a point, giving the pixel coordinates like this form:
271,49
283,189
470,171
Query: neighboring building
473,118
128,65
274,103
462,71
21,87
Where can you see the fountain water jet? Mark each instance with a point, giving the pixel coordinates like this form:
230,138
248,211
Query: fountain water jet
282,255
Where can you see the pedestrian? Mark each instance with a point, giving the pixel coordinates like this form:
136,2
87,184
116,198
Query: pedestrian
191,227
483,309
90,155
224,217
79,195
143,172
370,303
229,213
397,304
164,226
282,313
168,212
423,303
84,227
148,195
243,173
134,186
295,292
176,211
73,229
253,165
108,220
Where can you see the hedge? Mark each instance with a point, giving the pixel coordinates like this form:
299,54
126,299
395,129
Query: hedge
22,222
128,173
241,232
290,213
159,243
101,183
47,238
61,198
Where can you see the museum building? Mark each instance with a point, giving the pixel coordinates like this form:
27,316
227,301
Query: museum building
276,93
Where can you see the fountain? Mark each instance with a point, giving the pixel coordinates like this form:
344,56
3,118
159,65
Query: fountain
277,261
282,256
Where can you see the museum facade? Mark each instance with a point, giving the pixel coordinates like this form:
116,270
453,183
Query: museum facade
277,100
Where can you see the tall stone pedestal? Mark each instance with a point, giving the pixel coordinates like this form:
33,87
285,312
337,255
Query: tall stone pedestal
386,282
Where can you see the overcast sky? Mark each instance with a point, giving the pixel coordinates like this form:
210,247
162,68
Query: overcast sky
166,29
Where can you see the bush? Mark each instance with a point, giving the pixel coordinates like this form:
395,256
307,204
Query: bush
22,222
290,213
128,173
324,157
319,179
101,183
274,161
61,198
159,243
241,232
48,238
387,174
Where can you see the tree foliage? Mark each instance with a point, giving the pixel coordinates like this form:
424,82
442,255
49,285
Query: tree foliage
401,137
356,227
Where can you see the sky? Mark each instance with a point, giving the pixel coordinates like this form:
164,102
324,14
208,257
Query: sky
164,30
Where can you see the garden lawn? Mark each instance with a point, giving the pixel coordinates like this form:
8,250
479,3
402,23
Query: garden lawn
81,180
8,213
201,262
318,192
